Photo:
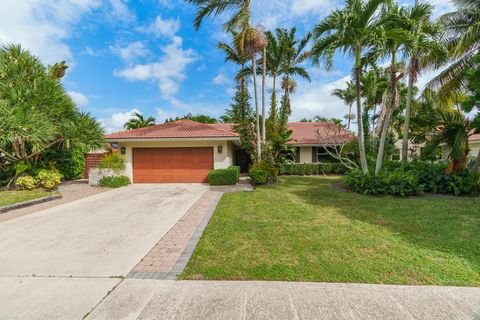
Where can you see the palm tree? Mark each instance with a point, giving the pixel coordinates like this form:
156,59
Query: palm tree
462,39
424,49
347,95
139,121
353,30
247,39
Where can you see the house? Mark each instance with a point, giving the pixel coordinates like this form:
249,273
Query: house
473,143
185,150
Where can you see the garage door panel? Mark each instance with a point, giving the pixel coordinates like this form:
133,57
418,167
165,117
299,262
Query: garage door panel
170,165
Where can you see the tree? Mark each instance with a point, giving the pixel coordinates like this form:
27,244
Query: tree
247,40
347,95
139,121
36,113
462,39
201,118
353,30
425,49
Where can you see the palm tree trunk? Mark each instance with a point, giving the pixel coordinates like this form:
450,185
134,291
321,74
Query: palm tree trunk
264,76
254,70
361,138
408,110
388,113
476,166
349,116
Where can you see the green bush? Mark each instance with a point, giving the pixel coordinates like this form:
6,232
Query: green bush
26,183
114,182
312,168
49,179
113,160
237,170
69,161
269,167
412,179
258,176
222,177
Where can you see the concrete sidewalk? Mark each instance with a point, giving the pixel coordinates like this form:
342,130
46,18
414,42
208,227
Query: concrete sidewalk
154,299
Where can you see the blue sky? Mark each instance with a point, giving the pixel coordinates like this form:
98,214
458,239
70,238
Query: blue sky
145,55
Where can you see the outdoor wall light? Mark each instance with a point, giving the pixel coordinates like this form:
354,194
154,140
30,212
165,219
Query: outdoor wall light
122,150
219,148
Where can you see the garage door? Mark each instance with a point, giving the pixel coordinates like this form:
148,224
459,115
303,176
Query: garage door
168,165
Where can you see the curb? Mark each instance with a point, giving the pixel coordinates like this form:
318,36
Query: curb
29,203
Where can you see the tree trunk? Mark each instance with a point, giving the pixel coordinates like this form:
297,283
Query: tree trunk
476,166
408,110
349,116
264,76
361,138
254,69
388,113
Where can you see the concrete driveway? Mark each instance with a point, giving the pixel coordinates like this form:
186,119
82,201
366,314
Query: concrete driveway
86,245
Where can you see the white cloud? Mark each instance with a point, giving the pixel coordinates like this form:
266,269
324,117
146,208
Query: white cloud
162,27
119,11
132,51
42,25
169,71
90,52
302,7
162,115
316,98
79,98
117,120
221,79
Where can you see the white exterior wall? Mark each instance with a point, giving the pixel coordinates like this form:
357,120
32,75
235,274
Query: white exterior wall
305,155
474,148
220,160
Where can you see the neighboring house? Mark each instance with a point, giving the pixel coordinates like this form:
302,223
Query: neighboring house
185,150
473,143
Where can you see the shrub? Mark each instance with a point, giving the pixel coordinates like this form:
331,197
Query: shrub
49,179
114,181
237,170
222,177
258,176
26,183
113,160
269,167
312,168
69,161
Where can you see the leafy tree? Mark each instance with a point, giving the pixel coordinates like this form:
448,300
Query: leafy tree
139,121
197,118
36,113
353,30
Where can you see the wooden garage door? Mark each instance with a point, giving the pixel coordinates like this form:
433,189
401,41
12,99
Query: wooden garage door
168,165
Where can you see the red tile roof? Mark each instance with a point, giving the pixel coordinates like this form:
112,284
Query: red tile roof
177,129
474,137
303,132
318,133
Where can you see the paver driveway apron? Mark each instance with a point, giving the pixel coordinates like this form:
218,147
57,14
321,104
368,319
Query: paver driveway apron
101,236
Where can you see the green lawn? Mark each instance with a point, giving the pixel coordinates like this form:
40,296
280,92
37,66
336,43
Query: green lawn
11,197
302,229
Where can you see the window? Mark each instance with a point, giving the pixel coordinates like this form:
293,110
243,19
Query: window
323,155
396,154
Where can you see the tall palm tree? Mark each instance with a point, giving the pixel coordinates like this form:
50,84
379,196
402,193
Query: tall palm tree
139,121
347,95
247,39
424,49
352,30
462,39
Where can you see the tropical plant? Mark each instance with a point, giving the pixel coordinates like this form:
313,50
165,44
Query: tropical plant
139,121
347,95
36,114
352,30
113,160
197,118
425,49
49,179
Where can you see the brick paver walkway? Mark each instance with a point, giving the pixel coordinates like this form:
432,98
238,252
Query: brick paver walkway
170,255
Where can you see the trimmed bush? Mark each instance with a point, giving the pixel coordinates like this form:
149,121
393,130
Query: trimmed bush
26,183
258,176
237,169
49,179
114,182
222,177
113,160
305,169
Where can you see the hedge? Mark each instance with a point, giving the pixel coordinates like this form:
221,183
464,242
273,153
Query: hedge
302,169
222,177
114,182
237,169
